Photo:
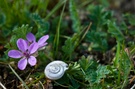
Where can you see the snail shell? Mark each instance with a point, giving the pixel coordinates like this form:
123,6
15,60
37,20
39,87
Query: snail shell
55,70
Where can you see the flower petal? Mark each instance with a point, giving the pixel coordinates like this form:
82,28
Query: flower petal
44,44
22,44
30,37
43,39
22,63
32,60
15,54
33,48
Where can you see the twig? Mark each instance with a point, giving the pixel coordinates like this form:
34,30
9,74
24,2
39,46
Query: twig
2,86
133,87
41,84
88,28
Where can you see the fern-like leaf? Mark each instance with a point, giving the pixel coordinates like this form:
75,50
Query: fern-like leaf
74,16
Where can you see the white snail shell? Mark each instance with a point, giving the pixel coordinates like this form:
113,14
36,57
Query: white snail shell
55,70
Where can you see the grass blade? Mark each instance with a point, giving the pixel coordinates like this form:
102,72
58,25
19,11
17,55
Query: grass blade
55,9
18,77
56,40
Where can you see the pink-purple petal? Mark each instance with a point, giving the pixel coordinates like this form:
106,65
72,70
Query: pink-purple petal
33,48
22,44
15,54
32,60
30,37
43,39
42,45
22,63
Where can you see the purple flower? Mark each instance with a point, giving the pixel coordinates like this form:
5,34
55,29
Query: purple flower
25,53
41,42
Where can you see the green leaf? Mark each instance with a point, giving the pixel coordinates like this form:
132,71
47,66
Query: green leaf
91,72
68,48
12,43
2,19
98,36
74,69
104,2
101,72
98,40
43,26
22,31
125,64
99,16
96,72
85,63
130,18
40,22
115,31
75,84
74,16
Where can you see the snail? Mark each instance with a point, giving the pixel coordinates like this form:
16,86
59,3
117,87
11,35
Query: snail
55,70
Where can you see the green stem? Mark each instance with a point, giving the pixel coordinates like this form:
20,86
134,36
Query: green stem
61,84
41,77
117,60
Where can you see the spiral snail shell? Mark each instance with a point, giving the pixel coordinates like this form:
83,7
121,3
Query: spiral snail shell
55,70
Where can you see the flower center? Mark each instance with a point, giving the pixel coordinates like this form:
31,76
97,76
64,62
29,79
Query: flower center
26,54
